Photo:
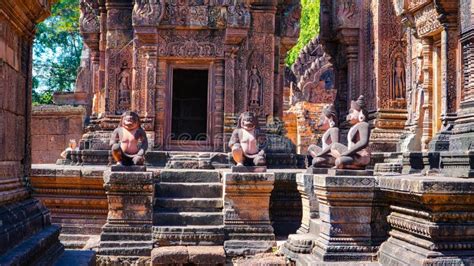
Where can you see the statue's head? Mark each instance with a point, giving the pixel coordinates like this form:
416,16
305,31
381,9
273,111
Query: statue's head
72,144
358,113
247,121
130,120
329,117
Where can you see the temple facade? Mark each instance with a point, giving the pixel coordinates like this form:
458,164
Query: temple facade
189,68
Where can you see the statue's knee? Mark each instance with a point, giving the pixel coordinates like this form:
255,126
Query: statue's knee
116,148
259,161
138,160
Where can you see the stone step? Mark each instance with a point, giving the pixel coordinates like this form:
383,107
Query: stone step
76,257
189,190
126,251
187,205
188,235
188,218
189,176
44,243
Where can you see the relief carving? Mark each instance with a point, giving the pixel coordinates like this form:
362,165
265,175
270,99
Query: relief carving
124,81
191,44
347,14
397,77
89,18
148,12
290,25
426,20
255,90
238,15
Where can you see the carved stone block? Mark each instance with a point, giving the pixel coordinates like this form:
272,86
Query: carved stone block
247,223
128,231
346,209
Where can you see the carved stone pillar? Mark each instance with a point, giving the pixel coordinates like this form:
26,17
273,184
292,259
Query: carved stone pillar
118,57
247,223
309,201
349,218
427,85
128,231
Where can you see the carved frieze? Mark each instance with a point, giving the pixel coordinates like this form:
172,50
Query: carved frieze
148,12
89,18
413,4
194,13
191,44
426,20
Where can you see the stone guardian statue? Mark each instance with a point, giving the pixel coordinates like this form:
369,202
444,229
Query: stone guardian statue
244,142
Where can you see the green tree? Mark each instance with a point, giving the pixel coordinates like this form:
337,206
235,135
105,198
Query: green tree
309,28
56,51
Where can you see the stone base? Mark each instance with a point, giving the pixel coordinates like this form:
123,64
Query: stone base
396,252
388,168
195,255
316,170
249,169
298,244
351,227
247,224
128,168
349,172
128,231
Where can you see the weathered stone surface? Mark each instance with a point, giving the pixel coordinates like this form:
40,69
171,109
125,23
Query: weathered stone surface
441,233
188,208
169,255
76,199
53,127
130,168
248,169
206,255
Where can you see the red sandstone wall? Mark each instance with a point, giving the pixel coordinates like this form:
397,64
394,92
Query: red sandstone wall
51,129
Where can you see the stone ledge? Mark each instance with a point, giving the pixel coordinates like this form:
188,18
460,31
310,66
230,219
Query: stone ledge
200,255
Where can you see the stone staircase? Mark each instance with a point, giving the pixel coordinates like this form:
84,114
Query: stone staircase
188,212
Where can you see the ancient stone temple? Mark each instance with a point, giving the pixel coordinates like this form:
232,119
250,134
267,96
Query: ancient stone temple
189,68
27,236
379,106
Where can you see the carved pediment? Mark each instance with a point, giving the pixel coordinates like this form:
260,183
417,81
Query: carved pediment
426,20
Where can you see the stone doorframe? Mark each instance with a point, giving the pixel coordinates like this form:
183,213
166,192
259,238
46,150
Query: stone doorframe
190,145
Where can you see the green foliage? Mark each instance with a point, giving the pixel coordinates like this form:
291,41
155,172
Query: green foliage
56,51
309,28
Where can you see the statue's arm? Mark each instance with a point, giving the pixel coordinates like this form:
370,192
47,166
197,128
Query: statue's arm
362,143
115,137
144,143
234,138
334,135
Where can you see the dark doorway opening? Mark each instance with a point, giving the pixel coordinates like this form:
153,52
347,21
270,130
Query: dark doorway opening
189,114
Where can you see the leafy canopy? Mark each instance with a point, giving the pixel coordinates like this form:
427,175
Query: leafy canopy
56,52
309,28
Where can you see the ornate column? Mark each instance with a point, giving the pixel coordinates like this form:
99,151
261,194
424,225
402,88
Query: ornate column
118,57
90,31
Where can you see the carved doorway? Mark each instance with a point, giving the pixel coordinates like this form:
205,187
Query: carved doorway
189,116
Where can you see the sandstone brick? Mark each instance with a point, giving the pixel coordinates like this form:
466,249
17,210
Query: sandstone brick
56,142
169,255
210,255
39,143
